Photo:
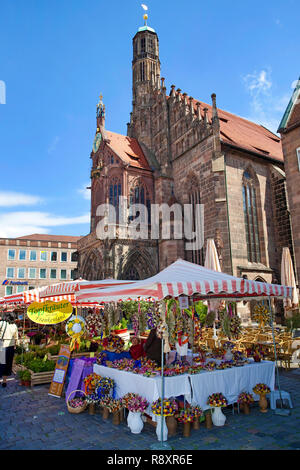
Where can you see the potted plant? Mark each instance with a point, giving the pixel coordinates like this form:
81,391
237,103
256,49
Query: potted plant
121,327
26,377
136,406
217,401
170,407
244,401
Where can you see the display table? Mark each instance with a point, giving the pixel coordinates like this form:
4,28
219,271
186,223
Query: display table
147,387
195,388
231,382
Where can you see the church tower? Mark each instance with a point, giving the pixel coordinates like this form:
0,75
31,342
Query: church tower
145,82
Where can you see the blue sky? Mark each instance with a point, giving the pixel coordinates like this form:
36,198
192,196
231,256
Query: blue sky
57,56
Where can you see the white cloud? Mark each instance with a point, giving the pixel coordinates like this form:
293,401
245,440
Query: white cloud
266,105
16,224
11,198
85,193
53,145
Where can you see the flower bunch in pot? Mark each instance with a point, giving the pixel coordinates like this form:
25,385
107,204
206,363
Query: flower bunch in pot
245,400
167,409
136,406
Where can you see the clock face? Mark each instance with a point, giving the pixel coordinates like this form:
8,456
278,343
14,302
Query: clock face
97,142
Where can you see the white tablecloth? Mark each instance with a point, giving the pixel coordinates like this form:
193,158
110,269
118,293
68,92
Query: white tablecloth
147,387
231,382
196,388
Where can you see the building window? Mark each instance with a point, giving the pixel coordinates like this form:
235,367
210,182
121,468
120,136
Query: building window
22,255
52,273
43,255
251,220
63,274
33,256
115,191
140,195
63,256
10,273
73,274
8,290
11,254
74,256
143,45
20,288
53,255
42,273
32,273
21,273
298,157
142,71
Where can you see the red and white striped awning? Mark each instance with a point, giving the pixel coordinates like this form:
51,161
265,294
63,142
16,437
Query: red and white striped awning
70,287
25,297
184,278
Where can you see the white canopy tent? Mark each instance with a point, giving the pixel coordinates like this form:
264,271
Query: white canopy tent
185,278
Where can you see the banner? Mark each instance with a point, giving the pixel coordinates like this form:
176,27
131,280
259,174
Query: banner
49,313
60,371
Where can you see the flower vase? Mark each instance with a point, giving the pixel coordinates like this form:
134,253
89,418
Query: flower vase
196,424
218,418
135,422
246,408
91,408
116,418
161,423
228,356
186,429
208,420
105,414
263,403
171,422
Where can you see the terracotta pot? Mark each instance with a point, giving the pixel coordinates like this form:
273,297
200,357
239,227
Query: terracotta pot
27,383
186,429
246,408
116,418
92,408
171,425
208,420
105,414
263,403
196,424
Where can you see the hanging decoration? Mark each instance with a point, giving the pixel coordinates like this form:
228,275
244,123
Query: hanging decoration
75,329
230,322
261,315
94,324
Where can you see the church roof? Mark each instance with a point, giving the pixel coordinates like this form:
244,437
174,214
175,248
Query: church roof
241,133
128,149
290,110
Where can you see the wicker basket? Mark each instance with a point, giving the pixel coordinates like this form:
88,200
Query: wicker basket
79,409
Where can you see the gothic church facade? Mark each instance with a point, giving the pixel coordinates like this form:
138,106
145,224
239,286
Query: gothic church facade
181,150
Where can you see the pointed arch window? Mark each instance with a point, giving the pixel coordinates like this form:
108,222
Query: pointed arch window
251,219
140,195
142,71
195,200
115,191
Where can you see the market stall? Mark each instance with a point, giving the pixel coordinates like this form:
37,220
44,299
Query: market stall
203,384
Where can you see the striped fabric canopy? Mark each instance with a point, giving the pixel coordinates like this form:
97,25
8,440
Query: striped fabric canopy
184,278
25,297
70,287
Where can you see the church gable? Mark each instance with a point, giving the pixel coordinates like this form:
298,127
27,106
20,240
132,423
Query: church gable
291,116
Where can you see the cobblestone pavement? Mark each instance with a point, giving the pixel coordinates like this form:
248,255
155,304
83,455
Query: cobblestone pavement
31,419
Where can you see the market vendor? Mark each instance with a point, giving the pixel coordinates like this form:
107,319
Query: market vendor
137,351
152,347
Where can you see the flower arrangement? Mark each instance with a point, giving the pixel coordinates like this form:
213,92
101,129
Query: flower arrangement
113,343
170,407
90,382
93,324
257,351
92,399
261,315
261,389
210,366
137,404
101,358
228,345
124,364
186,416
195,369
77,402
126,399
238,356
217,400
223,365
245,397
103,386
111,404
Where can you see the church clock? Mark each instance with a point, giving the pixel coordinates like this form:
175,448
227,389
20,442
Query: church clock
97,142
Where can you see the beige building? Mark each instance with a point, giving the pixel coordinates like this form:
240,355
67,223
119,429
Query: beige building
35,261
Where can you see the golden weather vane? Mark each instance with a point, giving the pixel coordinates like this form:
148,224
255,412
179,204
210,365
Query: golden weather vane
145,8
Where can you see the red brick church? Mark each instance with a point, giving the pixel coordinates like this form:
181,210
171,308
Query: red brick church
181,150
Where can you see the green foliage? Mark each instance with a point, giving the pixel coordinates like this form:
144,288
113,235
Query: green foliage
293,322
35,363
53,350
130,307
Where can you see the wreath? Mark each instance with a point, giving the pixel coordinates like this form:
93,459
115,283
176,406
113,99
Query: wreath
75,329
261,315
